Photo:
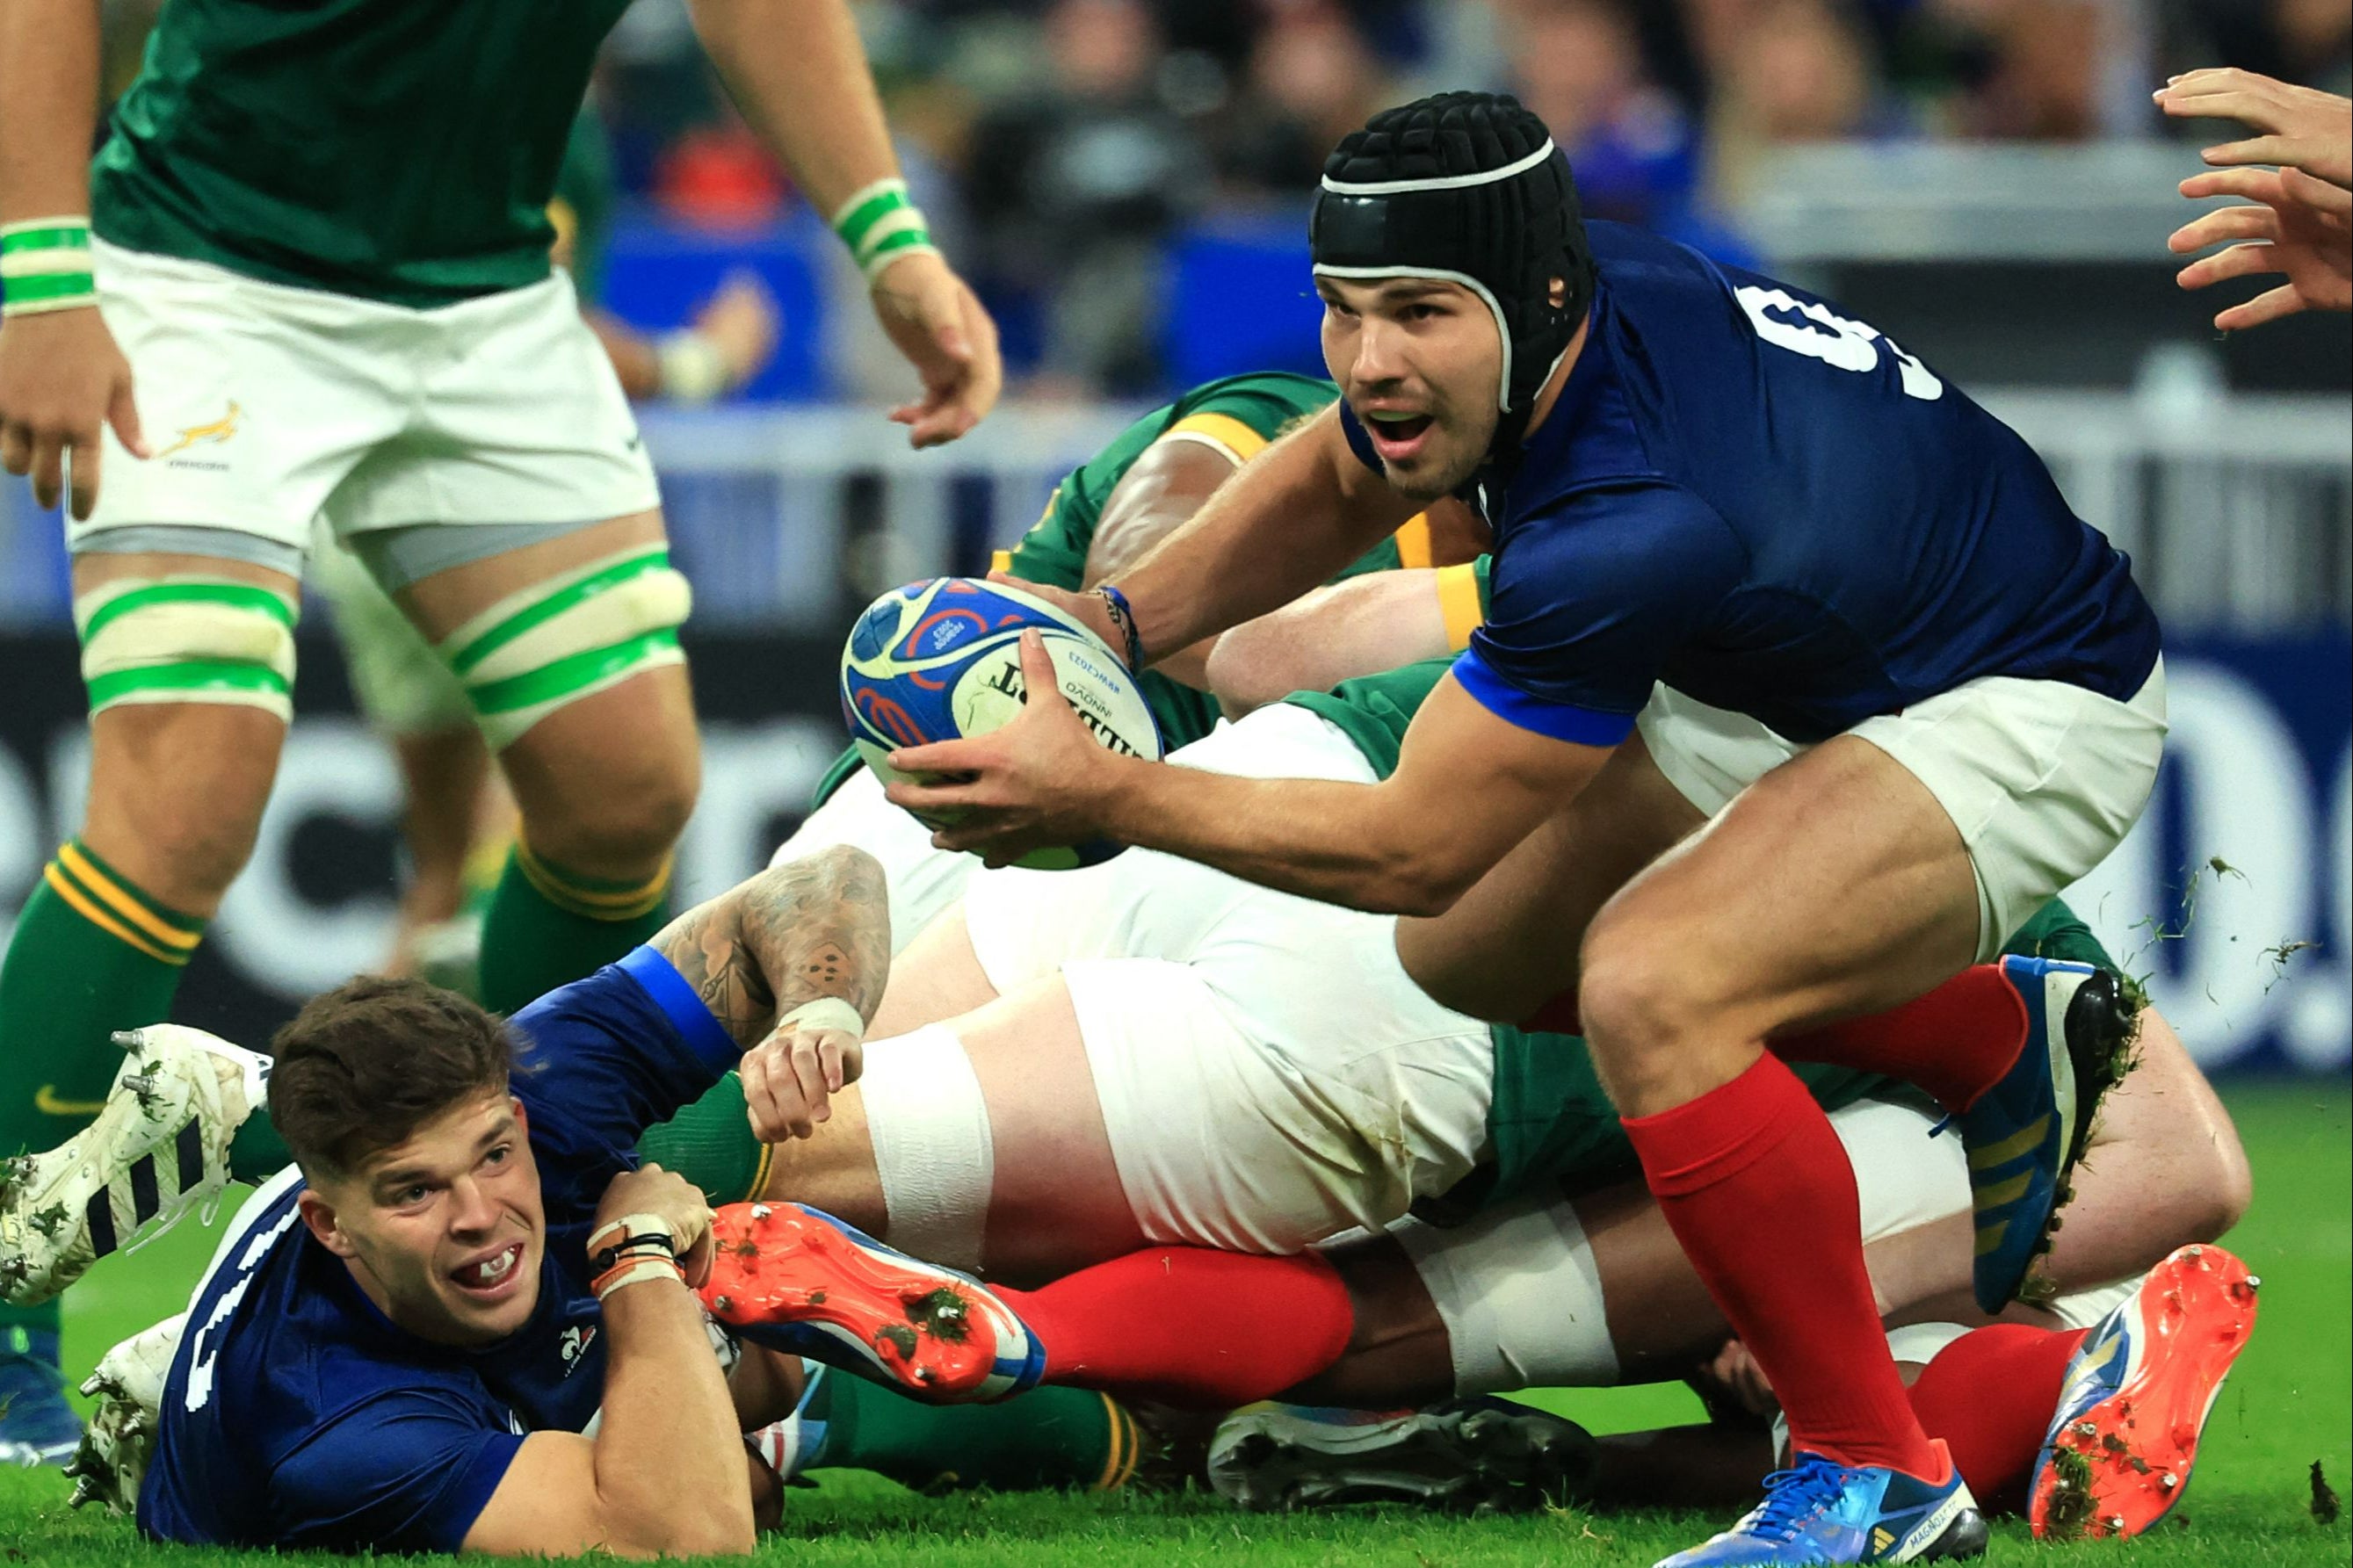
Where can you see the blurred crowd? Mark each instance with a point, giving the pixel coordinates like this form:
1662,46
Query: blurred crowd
1058,144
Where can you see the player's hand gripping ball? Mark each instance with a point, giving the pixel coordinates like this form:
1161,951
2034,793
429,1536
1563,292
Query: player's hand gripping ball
942,660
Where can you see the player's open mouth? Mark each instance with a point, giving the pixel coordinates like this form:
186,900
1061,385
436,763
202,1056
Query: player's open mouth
489,1277
1397,434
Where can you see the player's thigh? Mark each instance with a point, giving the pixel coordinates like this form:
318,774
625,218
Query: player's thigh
189,664
566,646
935,977
1511,942
1399,1353
1834,885
1055,1201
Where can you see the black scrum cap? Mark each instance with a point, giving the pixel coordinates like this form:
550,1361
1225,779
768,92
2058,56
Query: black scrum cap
1466,187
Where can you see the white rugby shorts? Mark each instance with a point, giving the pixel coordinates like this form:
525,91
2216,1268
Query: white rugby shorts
267,406
1268,1075
2042,778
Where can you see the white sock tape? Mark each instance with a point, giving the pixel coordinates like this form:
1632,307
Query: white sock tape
932,1146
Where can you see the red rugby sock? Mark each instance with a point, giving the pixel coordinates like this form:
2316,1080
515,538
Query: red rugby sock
1989,1395
1189,1326
1757,1187
1955,1042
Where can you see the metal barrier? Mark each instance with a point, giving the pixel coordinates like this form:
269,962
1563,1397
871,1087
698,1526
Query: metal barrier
2238,510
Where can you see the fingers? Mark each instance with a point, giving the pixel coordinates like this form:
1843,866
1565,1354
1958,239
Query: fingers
960,756
1037,665
2271,306
49,469
2239,261
2252,185
122,413
15,450
2256,149
964,373
2231,223
2330,201
81,475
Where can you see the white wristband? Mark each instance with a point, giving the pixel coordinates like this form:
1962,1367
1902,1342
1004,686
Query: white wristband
693,370
828,1013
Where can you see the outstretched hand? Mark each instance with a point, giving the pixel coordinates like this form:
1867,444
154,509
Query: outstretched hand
2303,127
1041,781
934,321
2300,228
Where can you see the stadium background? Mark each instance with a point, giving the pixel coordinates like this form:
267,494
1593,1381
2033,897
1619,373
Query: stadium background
1125,181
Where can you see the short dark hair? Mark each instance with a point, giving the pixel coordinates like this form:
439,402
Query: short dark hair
361,1067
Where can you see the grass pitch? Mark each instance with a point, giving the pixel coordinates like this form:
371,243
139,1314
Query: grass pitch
2288,1405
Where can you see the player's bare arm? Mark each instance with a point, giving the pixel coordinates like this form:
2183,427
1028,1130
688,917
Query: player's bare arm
1468,787
667,1414
1159,495
1307,491
61,376
798,73
1360,626
792,963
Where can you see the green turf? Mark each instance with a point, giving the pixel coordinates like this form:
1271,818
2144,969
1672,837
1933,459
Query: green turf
2288,1405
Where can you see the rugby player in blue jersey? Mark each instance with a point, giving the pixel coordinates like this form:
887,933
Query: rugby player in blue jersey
1801,687
465,1321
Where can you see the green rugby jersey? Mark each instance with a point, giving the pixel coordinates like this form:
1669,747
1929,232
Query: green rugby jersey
401,151
1238,414
1549,1123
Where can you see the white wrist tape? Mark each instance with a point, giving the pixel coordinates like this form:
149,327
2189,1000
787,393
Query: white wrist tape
613,1232
932,1151
693,369
828,1013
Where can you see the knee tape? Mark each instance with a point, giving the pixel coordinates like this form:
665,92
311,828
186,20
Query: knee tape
932,1146
1520,1294
558,641
187,639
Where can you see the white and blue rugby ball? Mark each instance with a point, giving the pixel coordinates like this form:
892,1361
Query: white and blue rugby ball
936,660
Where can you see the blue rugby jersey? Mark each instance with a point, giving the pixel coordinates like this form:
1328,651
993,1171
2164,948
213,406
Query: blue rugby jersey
297,1415
1774,508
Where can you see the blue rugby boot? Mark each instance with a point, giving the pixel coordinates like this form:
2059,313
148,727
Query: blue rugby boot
37,1425
2025,1132
1821,1511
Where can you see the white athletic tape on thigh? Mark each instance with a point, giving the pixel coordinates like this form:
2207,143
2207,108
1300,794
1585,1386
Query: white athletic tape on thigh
932,1144
187,639
1520,1294
578,633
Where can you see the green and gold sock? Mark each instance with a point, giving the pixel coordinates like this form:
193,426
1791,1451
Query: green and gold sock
92,954
1050,1437
549,927
711,1144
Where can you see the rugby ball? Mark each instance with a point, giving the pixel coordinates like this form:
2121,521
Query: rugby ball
936,660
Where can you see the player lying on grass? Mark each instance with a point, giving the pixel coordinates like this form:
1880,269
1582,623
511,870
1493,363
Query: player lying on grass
463,1320
1106,515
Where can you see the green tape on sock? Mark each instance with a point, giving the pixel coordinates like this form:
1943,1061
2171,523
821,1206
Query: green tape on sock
1050,1437
711,1144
